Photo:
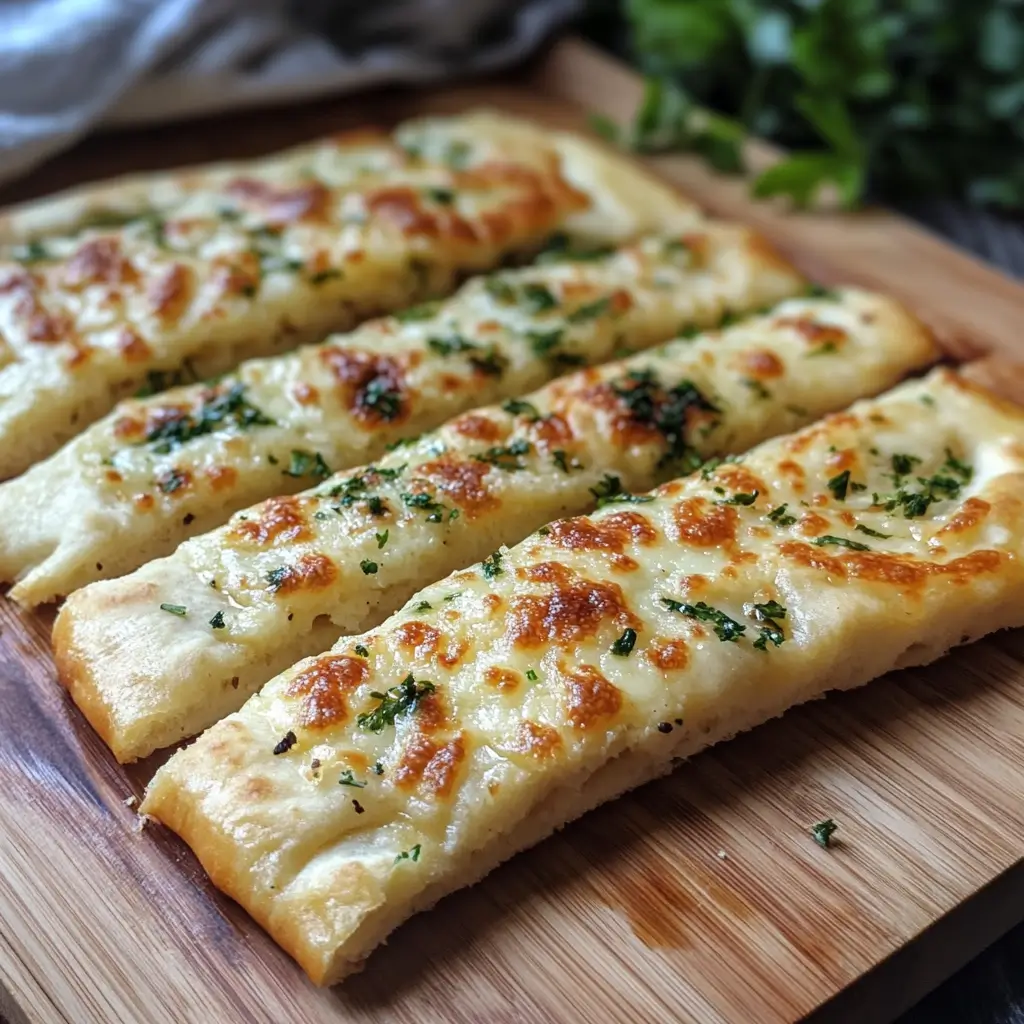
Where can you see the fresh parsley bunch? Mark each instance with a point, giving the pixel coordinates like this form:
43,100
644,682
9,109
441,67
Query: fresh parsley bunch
905,98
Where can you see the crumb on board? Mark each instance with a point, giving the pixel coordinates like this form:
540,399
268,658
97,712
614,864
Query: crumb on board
722,855
130,801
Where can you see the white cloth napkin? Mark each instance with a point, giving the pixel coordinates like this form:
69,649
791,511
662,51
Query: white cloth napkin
69,65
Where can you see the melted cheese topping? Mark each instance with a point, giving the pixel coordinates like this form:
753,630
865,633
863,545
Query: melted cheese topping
161,469
367,781
247,261
285,578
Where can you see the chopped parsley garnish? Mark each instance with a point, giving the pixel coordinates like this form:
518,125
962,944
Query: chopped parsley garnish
560,247
516,407
382,398
347,778
771,631
362,650
226,409
546,344
305,463
607,487
726,629
322,276
759,390
861,528
590,310
369,568
277,577
531,675
434,509
382,538
823,832
398,700
286,743
743,498
822,350
666,410
175,609
840,542
30,252
217,622
451,345
491,565
442,196
623,647
413,854
537,297
174,479
562,461
839,485
903,465
781,517
943,485
820,291
491,363
424,311
162,380
508,458
423,606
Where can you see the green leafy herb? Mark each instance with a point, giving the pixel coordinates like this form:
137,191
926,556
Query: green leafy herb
304,463
531,675
413,854
434,509
398,700
781,517
771,631
382,538
590,310
369,568
623,647
31,252
537,298
225,409
278,577
424,311
509,458
217,622
163,380
560,248
362,650
423,606
516,407
740,499
322,276
382,398
903,465
172,480
347,778
175,609
840,542
452,344
726,629
491,565
861,528
823,832
443,196
607,487
839,485
561,459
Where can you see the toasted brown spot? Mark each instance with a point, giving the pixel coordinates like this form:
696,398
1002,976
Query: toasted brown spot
883,567
132,347
280,518
551,431
406,209
257,788
324,688
477,427
492,601
143,502
126,427
760,363
741,480
969,515
282,206
792,469
462,481
610,533
221,478
590,698
311,572
575,608
701,523
825,426
169,293
432,764
97,261
304,393
453,653
535,740
837,461
504,679
668,655
817,334
813,525
421,639
373,385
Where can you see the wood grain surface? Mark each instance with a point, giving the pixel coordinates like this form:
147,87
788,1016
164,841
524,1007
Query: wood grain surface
701,897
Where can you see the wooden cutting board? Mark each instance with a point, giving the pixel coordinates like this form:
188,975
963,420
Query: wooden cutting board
701,897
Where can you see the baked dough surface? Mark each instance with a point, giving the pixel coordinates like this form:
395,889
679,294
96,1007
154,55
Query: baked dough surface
286,578
361,785
192,271
157,470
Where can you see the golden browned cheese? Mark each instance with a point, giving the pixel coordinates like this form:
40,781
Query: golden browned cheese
285,578
181,276
578,677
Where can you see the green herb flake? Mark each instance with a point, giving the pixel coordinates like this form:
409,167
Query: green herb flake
217,622
516,407
743,498
726,629
861,528
531,675
509,458
840,542
424,311
362,650
623,647
607,487
369,568
823,832
839,485
590,310
347,778
780,517
398,701
305,463
413,854
423,606
225,409
771,631
175,609
491,565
